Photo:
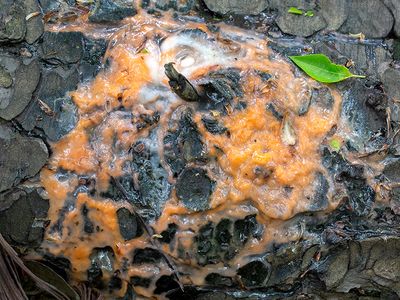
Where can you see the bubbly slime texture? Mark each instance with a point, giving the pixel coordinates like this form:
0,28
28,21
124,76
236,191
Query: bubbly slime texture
245,155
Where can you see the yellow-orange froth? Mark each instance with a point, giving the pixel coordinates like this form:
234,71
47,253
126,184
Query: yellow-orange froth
254,166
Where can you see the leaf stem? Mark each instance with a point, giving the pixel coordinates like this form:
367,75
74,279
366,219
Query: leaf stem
358,76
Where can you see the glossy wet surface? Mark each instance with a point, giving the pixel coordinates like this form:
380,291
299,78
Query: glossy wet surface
215,178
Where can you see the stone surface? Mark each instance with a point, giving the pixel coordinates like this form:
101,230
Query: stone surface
183,6
336,268
51,5
394,6
92,60
102,262
367,57
237,6
364,108
5,78
300,25
128,224
22,224
392,170
372,18
396,49
62,47
52,93
12,21
13,100
390,79
20,157
254,274
111,11
334,12
374,265
222,241
283,5
34,26
194,188
183,143
360,196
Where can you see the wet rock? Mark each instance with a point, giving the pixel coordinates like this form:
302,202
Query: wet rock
204,239
360,195
115,193
394,7
194,188
34,26
392,170
373,266
111,11
5,78
154,188
277,112
390,79
216,296
169,234
92,60
165,283
12,22
102,261
319,201
215,279
21,157
61,47
183,6
300,25
396,49
221,88
322,97
88,225
94,276
212,125
335,268
25,76
183,143
237,7
362,108
146,256
139,281
128,224
222,241
334,12
374,20
115,283
366,58
284,263
50,5
254,274
245,229
23,223
52,111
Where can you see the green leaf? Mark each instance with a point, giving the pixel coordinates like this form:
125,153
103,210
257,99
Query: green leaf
335,144
295,10
320,68
309,13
